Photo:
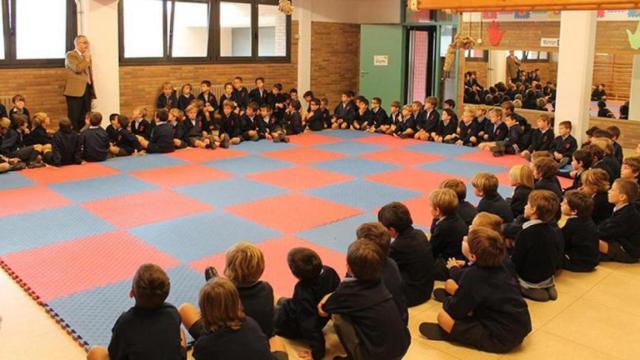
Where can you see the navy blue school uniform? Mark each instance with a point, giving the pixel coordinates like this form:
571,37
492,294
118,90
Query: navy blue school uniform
143,333
541,141
467,131
380,117
405,124
623,227
447,129
446,237
230,125
551,183
519,200
259,96
580,244
167,102
565,146
66,149
491,297
257,301
370,308
497,132
247,342
297,317
466,211
392,280
421,119
577,182
278,104
483,124
224,97
10,143
141,127
432,118
535,255
161,139
326,117
316,121
3,111
618,154
412,253
602,208
293,123
364,119
180,133
15,111
346,112
514,142
610,165
395,118
95,144
184,101
209,98
112,132
496,205
241,97
37,136
126,141
247,124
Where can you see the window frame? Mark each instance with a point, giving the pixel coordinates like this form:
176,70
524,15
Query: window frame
9,33
484,58
213,47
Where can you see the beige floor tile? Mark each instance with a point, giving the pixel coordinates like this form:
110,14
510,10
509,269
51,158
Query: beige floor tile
577,284
543,345
457,351
420,351
542,312
617,291
607,329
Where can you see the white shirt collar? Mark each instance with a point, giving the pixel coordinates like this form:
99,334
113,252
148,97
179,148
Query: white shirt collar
531,223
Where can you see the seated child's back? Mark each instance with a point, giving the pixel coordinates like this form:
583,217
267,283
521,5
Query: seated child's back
485,185
95,140
66,145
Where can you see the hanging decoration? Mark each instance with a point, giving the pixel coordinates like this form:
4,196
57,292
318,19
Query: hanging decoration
634,38
495,34
460,42
285,7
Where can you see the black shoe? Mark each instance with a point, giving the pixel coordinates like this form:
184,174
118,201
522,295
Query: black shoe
36,164
210,273
18,166
224,141
285,139
432,331
440,295
553,293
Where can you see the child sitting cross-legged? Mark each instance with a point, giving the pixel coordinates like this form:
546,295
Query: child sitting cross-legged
521,177
466,210
485,185
447,230
487,310
620,234
297,317
580,233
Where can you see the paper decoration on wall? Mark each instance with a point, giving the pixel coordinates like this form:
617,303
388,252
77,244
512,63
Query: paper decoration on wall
600,13
460,42
489,15
495,34
633,13
553,14
522,14
634,38
285,7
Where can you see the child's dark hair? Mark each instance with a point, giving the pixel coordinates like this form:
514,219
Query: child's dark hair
583,156
566,125
431,100
238,78
17,98
266,107
449,113
591,130
162,115
123,121
304,263
396,104
451,103
315,101
307,94
546,204
277,86
150,286
456,185
113,116
376,233
295,104
363,100
227,84
293,91
614,131
206,82
395,215
365,259
95,119
376,99
325,100
253,106
601,133
627,187
488,246
259,79
348,93
546,167
65,126
580,202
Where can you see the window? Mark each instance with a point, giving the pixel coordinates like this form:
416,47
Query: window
535,56
36,32
476,55
203,31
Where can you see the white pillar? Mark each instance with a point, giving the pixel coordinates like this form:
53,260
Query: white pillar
634,98
497,67
98,20
303,13
575,70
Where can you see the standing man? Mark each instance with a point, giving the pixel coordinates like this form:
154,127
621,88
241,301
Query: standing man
513,67
79,89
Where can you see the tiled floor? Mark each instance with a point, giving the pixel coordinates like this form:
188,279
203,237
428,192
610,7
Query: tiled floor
597,316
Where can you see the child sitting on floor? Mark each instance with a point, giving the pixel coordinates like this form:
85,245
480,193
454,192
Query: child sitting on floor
485,185
447,230
297,317
150,329
466,210
595,183
580,233
620,234
521,177
487,310
364,314
544,172
582,160
564,145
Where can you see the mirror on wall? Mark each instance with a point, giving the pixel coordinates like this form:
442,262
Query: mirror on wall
615,92
527,77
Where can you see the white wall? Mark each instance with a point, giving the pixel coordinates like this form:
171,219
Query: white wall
352,11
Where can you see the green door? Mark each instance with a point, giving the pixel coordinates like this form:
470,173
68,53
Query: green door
382,62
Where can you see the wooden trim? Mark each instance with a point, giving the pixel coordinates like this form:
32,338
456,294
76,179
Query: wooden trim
501,5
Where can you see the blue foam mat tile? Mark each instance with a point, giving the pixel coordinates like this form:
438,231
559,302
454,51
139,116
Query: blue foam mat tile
351,148
466,169
363,194
102,188
38,228
194,237
14,180
258,147
337,235
248,164
355,166
230,192
449,150
137,163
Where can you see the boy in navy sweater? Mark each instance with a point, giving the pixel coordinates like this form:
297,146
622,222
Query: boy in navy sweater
513,142
381,121
345,112
537,248
66,145
258,94
208,99
541,138
140,126
447,230
564,145
167,99
125,143
95,140
545,170
468,128
446,128
161,136
487,310
411,250
485,185
428,119
297,317
314,121
620,234
364,314
150,329
580,233
251,125
495,131
466,210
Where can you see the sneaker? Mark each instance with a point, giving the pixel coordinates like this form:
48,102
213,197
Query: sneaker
535,294
440,295
210,273
224,141
285,139
553,293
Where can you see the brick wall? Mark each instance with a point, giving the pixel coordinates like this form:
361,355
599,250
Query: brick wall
43,89
335,59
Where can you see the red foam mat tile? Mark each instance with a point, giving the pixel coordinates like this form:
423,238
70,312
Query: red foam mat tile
304,155
195,155
176,176
19,201
52,174
300,178
412,179
402,157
